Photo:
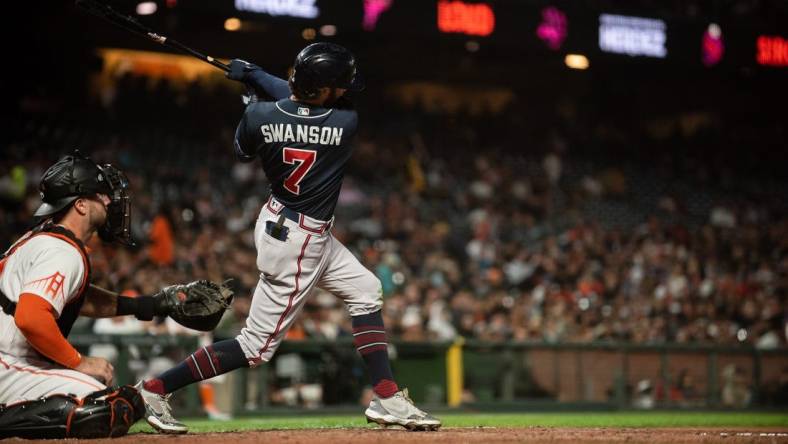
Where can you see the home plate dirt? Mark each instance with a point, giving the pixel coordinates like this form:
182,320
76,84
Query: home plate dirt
463,435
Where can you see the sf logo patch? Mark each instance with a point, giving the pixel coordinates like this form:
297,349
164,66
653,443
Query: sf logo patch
52,285
303,111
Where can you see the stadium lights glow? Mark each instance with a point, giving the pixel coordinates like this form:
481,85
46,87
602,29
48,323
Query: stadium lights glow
292,8
576,61
146,8
712,46
232,24
553,28
328,30
633,36
372,11
472,46
772,50
465,18
308,33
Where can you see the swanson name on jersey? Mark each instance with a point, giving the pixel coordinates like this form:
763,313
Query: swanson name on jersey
284,132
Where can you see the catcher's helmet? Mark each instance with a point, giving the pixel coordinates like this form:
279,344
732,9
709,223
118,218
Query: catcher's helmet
69,178
321,65
74,176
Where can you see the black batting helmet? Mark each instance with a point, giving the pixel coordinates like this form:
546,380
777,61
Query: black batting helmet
322,65
74,176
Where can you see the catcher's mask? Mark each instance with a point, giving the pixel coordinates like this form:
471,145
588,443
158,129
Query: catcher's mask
74,176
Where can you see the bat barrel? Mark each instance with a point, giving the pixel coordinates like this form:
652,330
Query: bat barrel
131,24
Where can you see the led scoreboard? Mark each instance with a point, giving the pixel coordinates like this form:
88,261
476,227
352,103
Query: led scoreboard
549,30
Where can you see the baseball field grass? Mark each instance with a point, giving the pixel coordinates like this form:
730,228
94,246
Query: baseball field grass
669,419
657,427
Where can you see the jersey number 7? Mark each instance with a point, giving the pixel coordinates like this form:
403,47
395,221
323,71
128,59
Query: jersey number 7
305,160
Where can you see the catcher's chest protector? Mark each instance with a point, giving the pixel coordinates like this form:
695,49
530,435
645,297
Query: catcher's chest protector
108,413
70,311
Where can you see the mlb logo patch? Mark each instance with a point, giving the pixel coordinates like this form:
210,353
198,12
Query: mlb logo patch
303,111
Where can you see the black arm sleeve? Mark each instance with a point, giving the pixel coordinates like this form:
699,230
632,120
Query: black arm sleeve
270,84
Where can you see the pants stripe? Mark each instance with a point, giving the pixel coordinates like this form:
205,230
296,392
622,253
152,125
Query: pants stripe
290,299
47,373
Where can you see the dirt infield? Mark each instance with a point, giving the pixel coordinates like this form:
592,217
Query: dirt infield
464,435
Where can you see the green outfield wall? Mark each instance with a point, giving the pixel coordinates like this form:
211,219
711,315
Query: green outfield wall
481,375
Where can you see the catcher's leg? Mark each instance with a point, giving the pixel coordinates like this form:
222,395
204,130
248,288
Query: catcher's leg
104,414
30,379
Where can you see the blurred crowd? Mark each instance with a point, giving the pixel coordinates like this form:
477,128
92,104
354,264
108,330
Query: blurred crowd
470,233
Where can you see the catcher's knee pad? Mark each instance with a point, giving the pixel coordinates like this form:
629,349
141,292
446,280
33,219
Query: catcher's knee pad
107,413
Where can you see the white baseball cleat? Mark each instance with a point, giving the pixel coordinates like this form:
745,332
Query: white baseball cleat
158,412
400,410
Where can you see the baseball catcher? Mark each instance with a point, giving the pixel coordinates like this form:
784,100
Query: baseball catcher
47,388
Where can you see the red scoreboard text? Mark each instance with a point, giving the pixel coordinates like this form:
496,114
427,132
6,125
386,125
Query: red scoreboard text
772,50
465,18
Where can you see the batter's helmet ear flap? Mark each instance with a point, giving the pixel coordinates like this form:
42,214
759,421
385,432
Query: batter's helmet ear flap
302,86
357,83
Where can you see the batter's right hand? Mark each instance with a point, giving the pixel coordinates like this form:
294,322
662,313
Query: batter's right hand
98,368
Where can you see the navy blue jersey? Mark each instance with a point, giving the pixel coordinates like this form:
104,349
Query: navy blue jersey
304,149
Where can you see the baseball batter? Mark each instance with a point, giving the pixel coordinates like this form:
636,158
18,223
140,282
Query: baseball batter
303,141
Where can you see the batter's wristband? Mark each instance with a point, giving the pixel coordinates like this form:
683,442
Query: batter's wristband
142,307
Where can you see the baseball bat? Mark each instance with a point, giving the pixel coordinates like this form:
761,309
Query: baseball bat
131,24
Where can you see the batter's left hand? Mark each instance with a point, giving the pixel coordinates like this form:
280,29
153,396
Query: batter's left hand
240,69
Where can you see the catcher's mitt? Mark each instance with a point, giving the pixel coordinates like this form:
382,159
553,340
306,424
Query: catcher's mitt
198,305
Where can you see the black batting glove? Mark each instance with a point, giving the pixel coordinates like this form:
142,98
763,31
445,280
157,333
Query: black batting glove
240,71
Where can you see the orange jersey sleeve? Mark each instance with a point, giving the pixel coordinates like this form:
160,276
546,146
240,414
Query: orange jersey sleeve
35,318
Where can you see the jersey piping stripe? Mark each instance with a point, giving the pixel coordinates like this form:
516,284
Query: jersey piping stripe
320,230
290,299
46,373
303,117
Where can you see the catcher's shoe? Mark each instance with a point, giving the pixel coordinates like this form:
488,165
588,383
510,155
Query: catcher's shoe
158,412
400,410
